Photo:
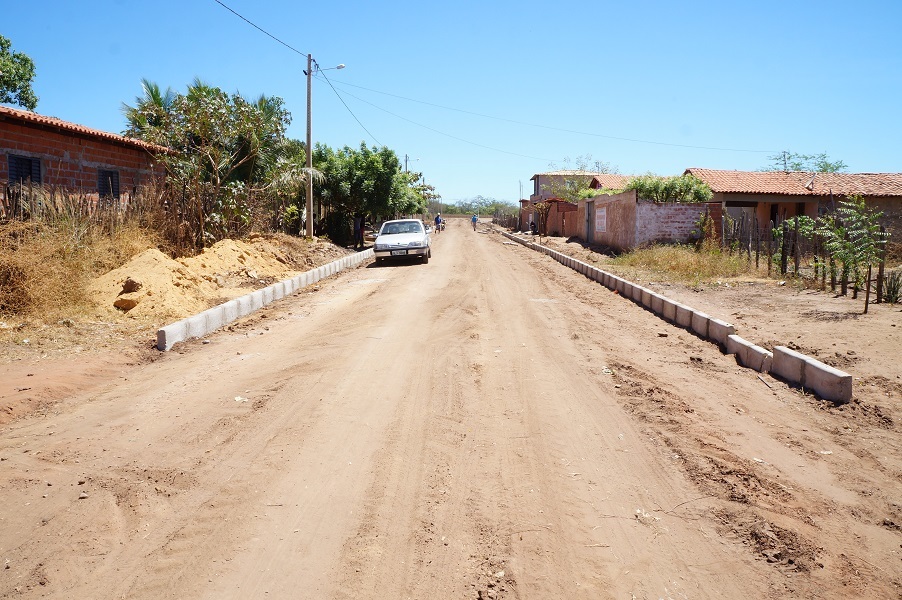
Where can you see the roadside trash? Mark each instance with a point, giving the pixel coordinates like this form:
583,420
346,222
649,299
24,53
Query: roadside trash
240,399
826,452
607,371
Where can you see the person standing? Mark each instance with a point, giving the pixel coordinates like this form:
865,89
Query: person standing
475,220
358,231
438,222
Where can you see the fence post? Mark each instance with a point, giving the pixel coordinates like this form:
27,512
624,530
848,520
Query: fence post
881,264
867,290
823,250
757,244
832,274
770,246
784,250
748,246
796,250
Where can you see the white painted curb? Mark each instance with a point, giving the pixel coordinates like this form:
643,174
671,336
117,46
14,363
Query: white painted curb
213,318
796,368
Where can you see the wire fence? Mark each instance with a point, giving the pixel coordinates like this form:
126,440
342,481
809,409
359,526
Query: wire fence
784,250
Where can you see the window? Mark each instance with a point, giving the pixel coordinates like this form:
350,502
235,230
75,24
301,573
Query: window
108,184
23,169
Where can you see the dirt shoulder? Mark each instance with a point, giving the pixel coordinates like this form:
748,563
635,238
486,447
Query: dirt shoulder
771,313
43,361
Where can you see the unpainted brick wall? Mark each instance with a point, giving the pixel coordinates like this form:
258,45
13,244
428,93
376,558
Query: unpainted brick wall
667,221
72,161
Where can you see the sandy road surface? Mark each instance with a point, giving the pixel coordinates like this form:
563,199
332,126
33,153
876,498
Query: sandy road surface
489,425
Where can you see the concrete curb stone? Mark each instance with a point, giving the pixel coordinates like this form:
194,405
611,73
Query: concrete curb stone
211,319
796,368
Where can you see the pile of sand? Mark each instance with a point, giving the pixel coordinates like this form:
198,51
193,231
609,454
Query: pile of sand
230,257
154,285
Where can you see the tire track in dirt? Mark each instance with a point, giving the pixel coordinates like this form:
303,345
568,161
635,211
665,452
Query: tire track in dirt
766,507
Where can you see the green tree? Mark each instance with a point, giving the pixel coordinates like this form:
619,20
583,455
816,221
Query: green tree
150,110
16,77
575,187
852,236
792,161
285,174
686,189
368,180
218,145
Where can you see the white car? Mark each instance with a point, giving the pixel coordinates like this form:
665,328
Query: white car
403,238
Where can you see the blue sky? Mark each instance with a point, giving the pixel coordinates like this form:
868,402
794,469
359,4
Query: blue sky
482,95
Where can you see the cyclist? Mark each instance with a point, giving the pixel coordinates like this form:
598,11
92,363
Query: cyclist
474,220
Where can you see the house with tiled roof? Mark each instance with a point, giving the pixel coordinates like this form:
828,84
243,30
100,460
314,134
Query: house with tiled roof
778,195
544,185
610,182
36,150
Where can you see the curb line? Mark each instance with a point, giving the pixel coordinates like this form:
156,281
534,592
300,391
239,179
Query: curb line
795,368
212,319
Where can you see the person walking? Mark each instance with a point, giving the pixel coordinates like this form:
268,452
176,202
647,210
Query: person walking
438,222
475,220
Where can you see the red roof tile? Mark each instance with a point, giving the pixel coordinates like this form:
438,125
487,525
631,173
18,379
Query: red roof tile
610,181
800,183
52,122
565,173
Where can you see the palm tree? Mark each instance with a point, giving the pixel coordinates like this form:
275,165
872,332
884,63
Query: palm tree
150,110
286,174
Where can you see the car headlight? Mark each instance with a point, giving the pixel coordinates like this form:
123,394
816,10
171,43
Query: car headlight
381,247
417,244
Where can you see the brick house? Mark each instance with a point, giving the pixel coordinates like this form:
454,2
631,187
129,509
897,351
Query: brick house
46,151
560,222
610,182
778,195
624,221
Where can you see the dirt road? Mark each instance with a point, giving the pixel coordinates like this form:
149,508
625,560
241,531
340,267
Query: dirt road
489,425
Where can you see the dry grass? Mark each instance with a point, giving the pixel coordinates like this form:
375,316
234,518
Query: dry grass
45,268
685,264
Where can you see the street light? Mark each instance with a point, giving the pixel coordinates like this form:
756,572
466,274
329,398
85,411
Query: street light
309,73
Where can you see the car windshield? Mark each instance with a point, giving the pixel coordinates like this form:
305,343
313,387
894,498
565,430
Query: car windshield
401,227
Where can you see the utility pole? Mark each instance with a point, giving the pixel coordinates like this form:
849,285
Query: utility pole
309,151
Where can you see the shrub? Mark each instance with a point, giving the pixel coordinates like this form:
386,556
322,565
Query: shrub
684,263
893,287
684,188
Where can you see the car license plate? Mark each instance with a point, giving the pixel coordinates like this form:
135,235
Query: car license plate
398,252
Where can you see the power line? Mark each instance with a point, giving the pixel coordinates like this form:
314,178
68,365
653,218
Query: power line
535,125
305,55
346,105
539,126
255,26
454,137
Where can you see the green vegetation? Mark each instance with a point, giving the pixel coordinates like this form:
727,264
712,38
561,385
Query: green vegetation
893,287
478,205
852,236
16,77
576,187
792,161
223,156
231,169
682,188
